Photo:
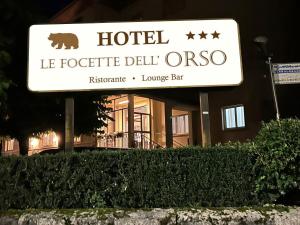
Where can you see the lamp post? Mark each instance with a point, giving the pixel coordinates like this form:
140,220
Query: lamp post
261,42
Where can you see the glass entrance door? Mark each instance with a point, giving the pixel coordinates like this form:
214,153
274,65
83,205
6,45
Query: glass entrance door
142,137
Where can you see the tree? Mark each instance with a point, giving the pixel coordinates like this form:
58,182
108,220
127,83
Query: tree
31,113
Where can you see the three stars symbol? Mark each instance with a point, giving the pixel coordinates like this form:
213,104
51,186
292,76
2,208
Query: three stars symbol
203,35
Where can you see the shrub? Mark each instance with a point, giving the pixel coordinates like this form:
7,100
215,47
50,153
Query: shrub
218,176
278,153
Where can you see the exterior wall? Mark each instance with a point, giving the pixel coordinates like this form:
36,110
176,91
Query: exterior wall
218,97
195,128
158,123
255,92
85,141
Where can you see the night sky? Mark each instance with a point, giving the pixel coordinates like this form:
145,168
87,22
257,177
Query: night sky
52,7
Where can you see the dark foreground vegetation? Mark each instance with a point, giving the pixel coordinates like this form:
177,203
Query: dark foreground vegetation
263,171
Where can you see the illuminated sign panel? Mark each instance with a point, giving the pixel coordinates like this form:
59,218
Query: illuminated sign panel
286,73
134,55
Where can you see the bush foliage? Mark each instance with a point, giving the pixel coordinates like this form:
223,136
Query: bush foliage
224,175
218,176
277,147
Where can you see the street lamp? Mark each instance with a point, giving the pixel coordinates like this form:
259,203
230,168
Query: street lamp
261,42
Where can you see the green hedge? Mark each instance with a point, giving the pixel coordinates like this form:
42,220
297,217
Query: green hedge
219,176
277,149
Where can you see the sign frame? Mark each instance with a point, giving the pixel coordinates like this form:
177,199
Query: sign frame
125,87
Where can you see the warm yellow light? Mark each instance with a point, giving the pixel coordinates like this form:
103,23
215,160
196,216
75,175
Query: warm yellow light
55,139
123,102
34,142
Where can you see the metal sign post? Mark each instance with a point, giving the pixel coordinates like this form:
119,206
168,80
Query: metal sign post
69,124
269,62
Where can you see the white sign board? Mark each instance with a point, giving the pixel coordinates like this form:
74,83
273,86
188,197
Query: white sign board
286,73
134,55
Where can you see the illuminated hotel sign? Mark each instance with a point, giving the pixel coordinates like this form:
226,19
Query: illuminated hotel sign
134,55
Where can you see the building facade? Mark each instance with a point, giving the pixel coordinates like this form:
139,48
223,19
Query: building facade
194,116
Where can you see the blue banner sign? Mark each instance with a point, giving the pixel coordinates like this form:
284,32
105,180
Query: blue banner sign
286,73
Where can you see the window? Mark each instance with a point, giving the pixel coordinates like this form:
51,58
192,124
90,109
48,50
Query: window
9,145
77,139
233,117
180,124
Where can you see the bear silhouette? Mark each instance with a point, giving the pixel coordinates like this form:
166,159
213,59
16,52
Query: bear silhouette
67,39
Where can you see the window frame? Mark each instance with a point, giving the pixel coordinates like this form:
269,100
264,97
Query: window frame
186,125
224,128
9,145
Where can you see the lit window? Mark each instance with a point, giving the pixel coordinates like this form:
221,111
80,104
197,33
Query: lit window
9,145
77,139
34,143
180,124
233,117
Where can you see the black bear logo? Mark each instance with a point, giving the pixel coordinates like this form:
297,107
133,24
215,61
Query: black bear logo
69,40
